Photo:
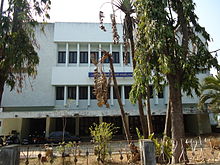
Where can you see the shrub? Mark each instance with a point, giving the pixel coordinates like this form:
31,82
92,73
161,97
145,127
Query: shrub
101,135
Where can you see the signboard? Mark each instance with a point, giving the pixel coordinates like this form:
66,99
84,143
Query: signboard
117,74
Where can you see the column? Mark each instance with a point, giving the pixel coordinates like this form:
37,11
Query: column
77,126
65,95
110,48
89,96
78,54
166,94
77,95
155,94
100,119
123,94
89,54
47,127
121,55
67,54
111,95
100,51
131,56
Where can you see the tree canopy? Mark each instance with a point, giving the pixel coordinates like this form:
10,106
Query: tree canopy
171,47
18,56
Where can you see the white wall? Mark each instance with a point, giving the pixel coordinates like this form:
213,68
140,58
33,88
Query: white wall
42,93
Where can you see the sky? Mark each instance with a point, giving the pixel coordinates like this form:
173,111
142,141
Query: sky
208,12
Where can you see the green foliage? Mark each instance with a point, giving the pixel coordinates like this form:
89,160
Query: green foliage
170,43
101,135
139,134
210,93
163,147
18,57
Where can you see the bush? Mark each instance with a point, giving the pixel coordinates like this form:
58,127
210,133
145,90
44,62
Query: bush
101,135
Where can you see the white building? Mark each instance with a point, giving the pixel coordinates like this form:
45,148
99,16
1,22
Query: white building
63,87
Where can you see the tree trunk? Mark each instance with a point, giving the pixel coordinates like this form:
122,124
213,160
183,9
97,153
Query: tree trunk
2,83
129,30
167,129
148,109
1,7
177,125
143,121
123,116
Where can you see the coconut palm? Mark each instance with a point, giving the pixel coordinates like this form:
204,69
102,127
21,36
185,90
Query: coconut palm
210,93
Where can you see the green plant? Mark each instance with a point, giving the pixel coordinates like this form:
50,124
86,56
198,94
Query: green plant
139,134
101,135
163,147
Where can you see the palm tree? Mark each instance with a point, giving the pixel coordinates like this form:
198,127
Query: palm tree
210,93
127,7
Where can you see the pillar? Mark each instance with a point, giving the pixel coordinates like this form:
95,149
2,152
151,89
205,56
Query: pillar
77,126
65,95
77,95
88,95
100,51
89,54
111,95
67,54
100,119
47,130
121,55
78,54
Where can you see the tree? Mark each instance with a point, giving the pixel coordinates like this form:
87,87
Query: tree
166,30
127,7
210,93
18,57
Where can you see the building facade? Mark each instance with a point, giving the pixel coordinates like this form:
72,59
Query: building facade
62,93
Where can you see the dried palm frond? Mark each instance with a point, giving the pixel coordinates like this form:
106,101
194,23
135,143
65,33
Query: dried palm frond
114,29
101,18
101,84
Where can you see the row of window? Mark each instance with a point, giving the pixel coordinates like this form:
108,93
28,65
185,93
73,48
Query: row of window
83,57
83,92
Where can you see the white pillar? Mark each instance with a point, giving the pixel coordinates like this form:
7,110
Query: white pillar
123,94
155,97
89,54
78,54
166,94
77,95
88,95
130,56
67,54
47,131
110,48
100,119
100,51
121,55
111,95
65,95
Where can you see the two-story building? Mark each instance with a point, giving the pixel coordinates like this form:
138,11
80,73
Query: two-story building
62,93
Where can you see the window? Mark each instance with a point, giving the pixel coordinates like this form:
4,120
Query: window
59,93
71,92
72,57
83,92
127,91
115,56
114,95
160,94
61,57
92,95
127,58
83,57
94,55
